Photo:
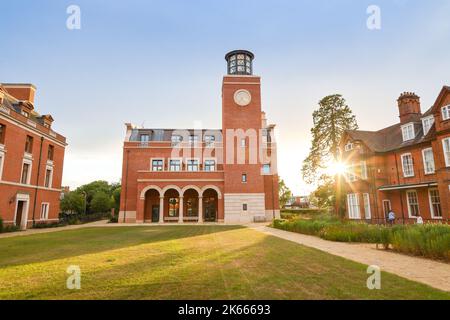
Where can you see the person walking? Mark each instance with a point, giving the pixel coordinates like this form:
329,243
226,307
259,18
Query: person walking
391,217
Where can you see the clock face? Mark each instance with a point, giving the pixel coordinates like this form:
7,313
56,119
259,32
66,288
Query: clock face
242,97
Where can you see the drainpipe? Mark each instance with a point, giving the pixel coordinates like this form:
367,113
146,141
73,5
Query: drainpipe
398,179
126,188
273,200
37,181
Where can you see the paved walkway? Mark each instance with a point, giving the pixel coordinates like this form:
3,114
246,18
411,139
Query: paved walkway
433,273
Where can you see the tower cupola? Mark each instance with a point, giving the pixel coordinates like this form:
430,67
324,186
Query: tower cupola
240,62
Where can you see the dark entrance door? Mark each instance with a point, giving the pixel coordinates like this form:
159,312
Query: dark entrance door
210,209
155,214
19,213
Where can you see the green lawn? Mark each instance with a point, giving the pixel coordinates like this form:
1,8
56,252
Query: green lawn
185,262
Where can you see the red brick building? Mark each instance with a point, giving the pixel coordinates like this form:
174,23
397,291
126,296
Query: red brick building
31,159
405,167
206,175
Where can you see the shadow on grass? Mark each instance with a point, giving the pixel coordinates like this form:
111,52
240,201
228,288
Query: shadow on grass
71,243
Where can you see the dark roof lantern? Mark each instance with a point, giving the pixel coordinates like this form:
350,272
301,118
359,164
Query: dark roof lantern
240,62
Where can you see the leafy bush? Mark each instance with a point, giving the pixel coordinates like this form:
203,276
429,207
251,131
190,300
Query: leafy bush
47,225
429,240
1,225
72,219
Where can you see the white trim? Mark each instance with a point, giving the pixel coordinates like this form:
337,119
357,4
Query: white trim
28,186
194,159
353,205
25,198
156,159
425,132
431,204
409,207
403,165
364,173
30,170
446,152
431,184
446,113
367,209
40,134
406,132
210,159
2,162
390,206
50,183
147,188
175,159
424,162
46,211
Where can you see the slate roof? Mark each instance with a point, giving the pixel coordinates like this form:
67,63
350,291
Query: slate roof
391,138
166,134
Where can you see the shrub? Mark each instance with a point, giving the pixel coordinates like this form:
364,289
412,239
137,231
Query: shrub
1,225
430,240
354,232
46,225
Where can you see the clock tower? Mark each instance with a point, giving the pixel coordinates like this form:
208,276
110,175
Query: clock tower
242,124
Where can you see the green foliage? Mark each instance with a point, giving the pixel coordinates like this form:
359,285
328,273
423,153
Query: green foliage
430,240
73,202
285,194
331,120
101,202
1,225
48,225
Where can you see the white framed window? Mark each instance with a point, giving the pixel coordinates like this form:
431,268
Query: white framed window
193,140
176,140
427,123
367,209
2,161
144,138
364,170
266,169
413,203
210,165
446,113
353,206
157,165
446,146
408,132
25,177
435,203
351,174
209,140
407,165
349,146
175,165
48,177
45,206
244,178
192,165
428,161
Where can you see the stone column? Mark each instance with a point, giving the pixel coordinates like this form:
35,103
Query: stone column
180,211
200,209
161,209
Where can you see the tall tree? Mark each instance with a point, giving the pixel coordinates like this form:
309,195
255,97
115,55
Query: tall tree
331,119
285,193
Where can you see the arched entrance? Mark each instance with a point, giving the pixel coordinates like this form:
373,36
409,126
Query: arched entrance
152,206
172,204
191,205
210,205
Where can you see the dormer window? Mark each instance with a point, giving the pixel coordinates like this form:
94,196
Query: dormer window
408,132
176,140
427,123
446,113
349,146
24,113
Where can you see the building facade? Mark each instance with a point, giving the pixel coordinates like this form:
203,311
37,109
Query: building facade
206,175
404,168
31,159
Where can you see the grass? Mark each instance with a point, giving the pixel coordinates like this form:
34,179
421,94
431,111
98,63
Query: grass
185,262
429,240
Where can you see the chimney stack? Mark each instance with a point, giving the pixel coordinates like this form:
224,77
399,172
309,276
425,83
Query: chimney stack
409,107
21,91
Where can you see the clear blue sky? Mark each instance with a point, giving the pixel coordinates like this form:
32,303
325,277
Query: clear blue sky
160,63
